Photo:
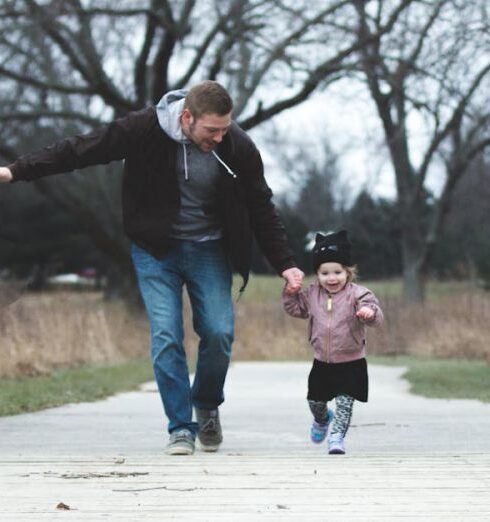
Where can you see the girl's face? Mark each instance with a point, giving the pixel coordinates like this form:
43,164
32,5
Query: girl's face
332,276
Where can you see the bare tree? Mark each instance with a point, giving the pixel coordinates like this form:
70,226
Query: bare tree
67,66
270,55
434,64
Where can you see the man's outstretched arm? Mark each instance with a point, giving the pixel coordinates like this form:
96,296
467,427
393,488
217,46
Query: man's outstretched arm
111,142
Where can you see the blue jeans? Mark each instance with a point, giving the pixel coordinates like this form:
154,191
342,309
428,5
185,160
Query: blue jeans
205,269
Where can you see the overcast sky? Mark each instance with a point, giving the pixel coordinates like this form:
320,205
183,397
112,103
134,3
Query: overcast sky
345,116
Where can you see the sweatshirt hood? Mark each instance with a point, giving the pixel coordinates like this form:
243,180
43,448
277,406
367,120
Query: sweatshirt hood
169,109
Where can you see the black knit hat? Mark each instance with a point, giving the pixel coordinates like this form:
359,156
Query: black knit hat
332,248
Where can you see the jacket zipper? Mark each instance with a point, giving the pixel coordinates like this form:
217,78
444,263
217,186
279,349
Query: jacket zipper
329,324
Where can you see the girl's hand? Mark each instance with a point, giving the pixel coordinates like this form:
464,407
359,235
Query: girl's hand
290,290
294,280
365,313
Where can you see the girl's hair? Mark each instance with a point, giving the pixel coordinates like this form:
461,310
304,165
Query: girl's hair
351,273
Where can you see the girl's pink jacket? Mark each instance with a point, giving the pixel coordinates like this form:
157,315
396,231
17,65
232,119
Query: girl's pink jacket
334,331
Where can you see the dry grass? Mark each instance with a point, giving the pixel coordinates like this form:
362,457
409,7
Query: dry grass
451,326
448,326
265,332
10,291
42,332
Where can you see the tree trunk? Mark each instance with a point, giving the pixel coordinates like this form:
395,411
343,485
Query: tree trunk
413,284
413,276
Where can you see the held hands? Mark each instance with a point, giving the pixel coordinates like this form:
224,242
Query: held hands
294,280
5,175
365,313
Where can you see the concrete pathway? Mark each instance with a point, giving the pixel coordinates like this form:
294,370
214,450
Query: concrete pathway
105,459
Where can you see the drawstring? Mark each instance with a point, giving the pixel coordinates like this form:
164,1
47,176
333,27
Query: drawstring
224,164
186,174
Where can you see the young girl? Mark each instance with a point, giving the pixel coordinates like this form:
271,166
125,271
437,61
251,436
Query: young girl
338,311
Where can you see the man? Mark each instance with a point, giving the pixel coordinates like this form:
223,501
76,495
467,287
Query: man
193,195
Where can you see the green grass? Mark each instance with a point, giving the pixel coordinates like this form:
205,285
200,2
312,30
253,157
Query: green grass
83,384
433,378
444,378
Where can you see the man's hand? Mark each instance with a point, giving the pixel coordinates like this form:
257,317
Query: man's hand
294,278
5,175
365,313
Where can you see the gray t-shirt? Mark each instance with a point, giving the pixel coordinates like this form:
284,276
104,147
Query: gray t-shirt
197,173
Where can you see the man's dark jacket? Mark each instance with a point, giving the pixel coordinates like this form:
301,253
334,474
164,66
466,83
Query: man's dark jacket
151,197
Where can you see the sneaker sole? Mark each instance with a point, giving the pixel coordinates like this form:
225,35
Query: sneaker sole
336,452
179,451
209,449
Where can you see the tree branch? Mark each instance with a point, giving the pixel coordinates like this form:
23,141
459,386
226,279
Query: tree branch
261,115
406,64
163,54
140,65
105,87
322,72
124,13
64,115
453,122
200,52
39,84
91,71
292,37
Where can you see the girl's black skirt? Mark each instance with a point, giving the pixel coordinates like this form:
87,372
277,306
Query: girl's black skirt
327,380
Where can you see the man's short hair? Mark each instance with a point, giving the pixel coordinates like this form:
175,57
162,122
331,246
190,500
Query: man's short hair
208,97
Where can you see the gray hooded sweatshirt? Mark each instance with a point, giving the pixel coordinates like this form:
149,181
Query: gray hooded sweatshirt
197,173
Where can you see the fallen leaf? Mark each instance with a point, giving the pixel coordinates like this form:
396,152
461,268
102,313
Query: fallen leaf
63,506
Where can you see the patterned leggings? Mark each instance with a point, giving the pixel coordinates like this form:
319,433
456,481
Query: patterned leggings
343,413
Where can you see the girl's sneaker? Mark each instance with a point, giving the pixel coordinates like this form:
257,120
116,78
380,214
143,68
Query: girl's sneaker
318,431
336,444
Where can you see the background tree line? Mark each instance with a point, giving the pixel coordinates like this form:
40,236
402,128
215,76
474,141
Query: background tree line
374,225
68,66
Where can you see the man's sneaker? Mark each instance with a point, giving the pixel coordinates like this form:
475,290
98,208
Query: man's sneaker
336,444
181,442
209,434
318,431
